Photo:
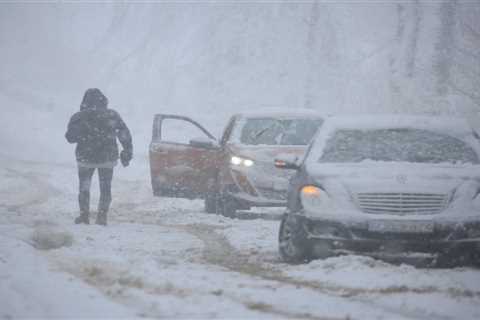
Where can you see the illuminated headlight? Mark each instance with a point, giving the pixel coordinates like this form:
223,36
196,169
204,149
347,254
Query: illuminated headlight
238,161
248,163
314,199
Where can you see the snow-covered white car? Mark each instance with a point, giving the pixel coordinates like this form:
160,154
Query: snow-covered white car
235,171
400,188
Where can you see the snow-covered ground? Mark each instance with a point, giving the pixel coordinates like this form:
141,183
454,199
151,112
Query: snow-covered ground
165,258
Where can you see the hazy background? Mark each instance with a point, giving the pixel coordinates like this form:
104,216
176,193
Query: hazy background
211,59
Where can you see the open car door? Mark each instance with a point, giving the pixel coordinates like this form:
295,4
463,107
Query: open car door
183,158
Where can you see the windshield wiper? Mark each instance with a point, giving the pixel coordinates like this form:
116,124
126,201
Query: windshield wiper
258,134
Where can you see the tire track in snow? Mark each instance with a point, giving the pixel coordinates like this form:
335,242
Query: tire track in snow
218,251
113,281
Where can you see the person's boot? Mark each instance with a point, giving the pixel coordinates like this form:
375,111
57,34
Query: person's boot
101,218
83,218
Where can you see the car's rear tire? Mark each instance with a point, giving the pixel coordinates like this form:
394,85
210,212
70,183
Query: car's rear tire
226,207
293,244
211,204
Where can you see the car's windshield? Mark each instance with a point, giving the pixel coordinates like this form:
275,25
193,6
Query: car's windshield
404,145
271,131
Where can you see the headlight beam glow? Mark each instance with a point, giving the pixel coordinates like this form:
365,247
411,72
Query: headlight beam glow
239,161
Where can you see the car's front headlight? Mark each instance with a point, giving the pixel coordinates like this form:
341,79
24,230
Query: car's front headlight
314,198
240,161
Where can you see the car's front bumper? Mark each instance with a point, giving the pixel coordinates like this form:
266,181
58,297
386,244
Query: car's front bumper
453,240
254,188
247,200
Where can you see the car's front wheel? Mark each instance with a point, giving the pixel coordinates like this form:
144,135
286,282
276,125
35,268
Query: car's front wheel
226,207
211,203
292,241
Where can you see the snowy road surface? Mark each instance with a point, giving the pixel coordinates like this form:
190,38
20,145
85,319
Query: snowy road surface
165,258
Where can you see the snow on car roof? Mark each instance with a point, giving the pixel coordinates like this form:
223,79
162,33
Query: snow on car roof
456,127
450,125
281,113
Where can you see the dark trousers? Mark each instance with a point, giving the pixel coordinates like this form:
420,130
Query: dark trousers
105,176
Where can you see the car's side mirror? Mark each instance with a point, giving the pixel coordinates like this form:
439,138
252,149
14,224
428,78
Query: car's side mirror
287,161
203,143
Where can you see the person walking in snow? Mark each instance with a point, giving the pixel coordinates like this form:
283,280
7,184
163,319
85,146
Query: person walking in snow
95,129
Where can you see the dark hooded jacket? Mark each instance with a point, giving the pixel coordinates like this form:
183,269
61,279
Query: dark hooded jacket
95,130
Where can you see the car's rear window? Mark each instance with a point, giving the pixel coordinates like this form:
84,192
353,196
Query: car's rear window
403,145
271,131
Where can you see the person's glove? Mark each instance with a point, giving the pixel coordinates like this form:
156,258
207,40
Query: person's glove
125,158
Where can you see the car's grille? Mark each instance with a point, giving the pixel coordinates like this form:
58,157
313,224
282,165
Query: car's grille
402,203
273,194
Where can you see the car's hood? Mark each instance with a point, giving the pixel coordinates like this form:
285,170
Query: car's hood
265,153
382,167
458,184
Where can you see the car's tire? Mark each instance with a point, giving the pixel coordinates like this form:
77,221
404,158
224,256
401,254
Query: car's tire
293,244
453,260
476,261
211,204
226,207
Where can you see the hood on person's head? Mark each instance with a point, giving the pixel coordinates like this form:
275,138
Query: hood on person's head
94,99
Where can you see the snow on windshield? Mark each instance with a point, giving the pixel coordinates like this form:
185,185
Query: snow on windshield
403,145
271,131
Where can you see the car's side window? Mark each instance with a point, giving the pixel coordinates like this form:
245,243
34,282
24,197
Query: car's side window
180,131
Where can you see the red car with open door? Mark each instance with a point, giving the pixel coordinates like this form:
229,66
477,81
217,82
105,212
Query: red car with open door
235,172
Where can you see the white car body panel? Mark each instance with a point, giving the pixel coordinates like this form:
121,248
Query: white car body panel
342,181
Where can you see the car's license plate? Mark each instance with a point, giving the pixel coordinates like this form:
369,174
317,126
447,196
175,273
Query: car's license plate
401,226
